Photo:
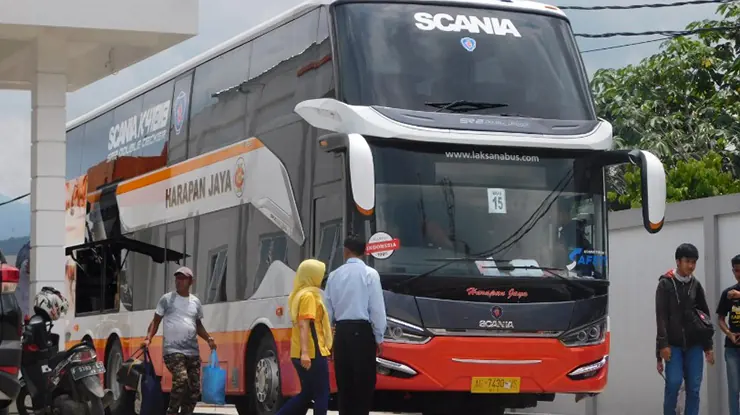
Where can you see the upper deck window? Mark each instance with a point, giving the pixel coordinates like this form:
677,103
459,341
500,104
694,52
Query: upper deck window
409,55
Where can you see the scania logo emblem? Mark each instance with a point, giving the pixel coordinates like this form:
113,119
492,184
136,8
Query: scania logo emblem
496,312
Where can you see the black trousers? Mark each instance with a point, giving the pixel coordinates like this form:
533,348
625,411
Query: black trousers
354,366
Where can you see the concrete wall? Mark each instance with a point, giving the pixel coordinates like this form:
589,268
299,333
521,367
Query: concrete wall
636,260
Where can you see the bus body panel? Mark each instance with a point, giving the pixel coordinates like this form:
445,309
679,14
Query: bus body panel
447,363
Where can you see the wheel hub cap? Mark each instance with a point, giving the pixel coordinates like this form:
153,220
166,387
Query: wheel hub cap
267,381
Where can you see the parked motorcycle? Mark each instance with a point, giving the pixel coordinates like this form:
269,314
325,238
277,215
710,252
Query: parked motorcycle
58,383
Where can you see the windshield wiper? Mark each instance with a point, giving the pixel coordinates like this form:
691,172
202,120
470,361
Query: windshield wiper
460,105
557,275
501,264
447,261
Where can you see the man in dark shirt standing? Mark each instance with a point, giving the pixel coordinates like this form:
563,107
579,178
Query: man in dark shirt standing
729,305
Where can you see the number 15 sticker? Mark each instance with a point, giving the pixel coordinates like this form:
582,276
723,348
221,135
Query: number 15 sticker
496,201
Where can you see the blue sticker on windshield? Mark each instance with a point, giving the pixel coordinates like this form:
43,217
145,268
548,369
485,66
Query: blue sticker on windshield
579,256
468,43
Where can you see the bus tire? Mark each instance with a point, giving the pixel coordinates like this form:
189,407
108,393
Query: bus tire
265,395
113,361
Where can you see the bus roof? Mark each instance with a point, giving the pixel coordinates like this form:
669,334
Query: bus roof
272,23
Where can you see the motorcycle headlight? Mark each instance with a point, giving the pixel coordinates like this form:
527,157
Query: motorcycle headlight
588,335
398,331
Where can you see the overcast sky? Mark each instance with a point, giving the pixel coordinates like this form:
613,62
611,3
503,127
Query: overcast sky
222,19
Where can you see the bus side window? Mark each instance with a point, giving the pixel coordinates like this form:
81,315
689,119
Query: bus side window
175,242
217,109
327,248
280,74
272,248
177,147
216,254
148,277
216,290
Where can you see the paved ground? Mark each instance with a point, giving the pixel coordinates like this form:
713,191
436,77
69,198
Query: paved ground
209,410
227,410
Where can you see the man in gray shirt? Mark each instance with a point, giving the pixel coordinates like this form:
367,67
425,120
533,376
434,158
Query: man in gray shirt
182,314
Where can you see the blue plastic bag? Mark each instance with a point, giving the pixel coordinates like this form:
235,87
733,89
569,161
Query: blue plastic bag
152,399
214,382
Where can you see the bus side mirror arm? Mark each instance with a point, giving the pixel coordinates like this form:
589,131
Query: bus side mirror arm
361,167
652,182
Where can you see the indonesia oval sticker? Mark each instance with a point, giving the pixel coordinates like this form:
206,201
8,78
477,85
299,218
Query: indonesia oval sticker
468,43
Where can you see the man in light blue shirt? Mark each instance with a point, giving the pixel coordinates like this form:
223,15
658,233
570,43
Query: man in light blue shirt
354,298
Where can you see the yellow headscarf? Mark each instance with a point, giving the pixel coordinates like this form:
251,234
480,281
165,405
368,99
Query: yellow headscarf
307,281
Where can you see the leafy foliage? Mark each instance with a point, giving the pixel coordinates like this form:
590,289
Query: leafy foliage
682,104
692,179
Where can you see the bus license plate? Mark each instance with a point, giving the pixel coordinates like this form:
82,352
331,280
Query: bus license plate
495,385
83,371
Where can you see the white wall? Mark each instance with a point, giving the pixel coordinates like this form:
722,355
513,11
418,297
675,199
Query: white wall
636,260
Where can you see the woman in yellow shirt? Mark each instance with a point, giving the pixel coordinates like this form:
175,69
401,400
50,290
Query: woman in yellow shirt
310,340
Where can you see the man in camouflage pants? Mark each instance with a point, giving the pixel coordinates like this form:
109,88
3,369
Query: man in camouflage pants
182,314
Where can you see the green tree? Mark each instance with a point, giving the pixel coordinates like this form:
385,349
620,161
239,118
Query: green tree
688,179
682,104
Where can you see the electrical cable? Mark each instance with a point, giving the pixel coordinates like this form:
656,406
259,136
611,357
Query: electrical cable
14,199
624,45
646,6
665,37
674,33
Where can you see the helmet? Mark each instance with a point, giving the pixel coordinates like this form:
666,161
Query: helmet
51,302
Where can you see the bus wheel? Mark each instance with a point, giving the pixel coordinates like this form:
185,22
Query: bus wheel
113,363
266,397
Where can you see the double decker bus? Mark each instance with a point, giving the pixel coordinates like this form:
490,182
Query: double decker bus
458,138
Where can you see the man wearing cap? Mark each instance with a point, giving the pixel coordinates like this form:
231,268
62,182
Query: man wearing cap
182,314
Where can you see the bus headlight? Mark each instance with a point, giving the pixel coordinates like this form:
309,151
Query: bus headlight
589,335
398,331
588,370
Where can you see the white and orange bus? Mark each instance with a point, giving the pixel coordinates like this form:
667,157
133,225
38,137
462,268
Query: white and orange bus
458,138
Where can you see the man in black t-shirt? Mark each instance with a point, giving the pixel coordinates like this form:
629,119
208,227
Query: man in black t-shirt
729,305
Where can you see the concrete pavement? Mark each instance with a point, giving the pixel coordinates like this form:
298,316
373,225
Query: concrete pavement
229,410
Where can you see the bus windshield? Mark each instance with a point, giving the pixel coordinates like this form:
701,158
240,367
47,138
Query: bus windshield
412,55
541,209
